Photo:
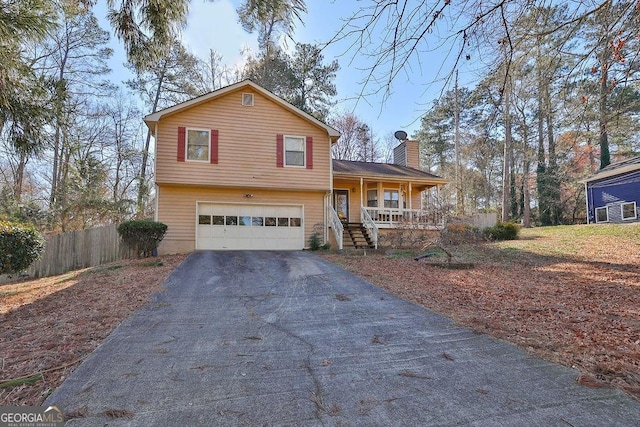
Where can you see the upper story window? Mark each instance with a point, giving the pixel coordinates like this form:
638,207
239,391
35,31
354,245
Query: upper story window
198,145
294,150
628,210
391,199
247,99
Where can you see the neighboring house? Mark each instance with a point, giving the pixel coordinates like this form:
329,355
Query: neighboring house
613,193
240,168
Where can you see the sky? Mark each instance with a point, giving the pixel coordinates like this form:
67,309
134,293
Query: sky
214,25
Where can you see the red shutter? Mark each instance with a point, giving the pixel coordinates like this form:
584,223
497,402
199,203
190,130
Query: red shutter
309,151
181,143
214,146
279,150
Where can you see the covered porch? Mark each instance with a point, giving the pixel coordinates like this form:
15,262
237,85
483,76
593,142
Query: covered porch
379,195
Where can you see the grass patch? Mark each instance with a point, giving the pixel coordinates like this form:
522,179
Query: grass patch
154,263
398,254
21,381
98,270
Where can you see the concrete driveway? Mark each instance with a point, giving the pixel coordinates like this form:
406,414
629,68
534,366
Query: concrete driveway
285,338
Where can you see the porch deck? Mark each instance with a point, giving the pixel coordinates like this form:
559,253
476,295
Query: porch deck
400,218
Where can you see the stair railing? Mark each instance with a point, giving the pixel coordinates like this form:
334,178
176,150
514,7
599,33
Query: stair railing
371,226
336,226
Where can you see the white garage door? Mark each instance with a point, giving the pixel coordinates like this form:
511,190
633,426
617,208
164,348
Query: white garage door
249,226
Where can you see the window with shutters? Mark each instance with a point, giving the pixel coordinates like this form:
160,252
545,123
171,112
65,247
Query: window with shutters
294,154
198,145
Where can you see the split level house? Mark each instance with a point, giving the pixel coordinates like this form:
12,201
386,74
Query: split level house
240,168
613,193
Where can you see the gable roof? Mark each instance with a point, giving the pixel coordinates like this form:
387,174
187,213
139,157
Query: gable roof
154,118
615,168
383,170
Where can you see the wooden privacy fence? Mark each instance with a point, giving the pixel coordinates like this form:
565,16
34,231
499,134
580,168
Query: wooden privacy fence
78,249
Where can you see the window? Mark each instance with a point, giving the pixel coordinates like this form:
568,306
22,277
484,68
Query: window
247,99
602,214
372,198
283,222
204,219
257,221
294,151
198,145
245,220
391,198
628,210
218,220
295,222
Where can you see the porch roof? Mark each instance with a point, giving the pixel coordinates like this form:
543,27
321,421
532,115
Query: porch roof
348,168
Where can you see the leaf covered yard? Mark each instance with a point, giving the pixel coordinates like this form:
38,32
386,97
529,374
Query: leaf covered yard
50,325
569,294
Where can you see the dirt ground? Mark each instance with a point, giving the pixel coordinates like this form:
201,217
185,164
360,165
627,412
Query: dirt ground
575,303
570,298
50,325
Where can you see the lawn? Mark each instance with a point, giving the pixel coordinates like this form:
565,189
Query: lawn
570,294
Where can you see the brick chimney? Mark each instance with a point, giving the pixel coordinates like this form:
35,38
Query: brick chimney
407,153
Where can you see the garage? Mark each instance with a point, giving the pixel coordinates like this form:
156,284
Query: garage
226,226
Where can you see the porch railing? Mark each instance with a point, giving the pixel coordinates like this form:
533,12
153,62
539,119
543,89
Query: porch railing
336,225
370,225
394,217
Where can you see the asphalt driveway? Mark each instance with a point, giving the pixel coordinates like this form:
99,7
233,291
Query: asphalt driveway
285,338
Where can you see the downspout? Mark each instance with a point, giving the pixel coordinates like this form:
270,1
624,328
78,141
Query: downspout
328,196
155,172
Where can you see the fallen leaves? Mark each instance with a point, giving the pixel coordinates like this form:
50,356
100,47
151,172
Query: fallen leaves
572,300
51,324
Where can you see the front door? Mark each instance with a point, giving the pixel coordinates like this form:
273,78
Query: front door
341,204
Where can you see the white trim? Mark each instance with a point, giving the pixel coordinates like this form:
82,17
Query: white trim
304,151
155,213
397,190
616,171
635,211
245,204
155,117
586,193
248,95
186,145
333,198
606,208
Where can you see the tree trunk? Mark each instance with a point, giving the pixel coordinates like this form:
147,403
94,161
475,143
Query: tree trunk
541,170
605,156
459,192
142,183
552,178
17,188
506,169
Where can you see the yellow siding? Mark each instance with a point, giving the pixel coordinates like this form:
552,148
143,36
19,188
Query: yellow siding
177,209
247,146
